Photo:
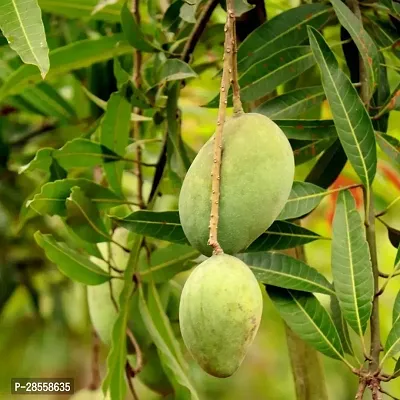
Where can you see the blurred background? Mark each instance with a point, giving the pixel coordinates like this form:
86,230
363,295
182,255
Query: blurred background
45,329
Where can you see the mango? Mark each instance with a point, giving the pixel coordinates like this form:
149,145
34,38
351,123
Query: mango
256,179
220,312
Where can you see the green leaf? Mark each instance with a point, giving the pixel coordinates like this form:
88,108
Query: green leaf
286,272
188,11
366,46
293,103
21,23
392,6
160,330
114,134
114,383
81,9
51,199
282,235
241,7
84,218
42,161
66,59
165,263
133,33
307,129
396,309
267,74
308,319
83,153
303,198
383,33
103,105
101,4
392,345
352,122
392,103
341,325
71,263
390,145
163,225
175,70
287,29
307,150
351,264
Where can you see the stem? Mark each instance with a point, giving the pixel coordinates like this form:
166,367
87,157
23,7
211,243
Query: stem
137,80
223,101
138,352
237,104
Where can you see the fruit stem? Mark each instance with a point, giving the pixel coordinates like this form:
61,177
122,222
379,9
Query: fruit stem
227,71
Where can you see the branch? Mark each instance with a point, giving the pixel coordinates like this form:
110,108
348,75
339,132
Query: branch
223,101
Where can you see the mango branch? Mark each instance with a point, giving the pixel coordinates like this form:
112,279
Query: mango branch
223,101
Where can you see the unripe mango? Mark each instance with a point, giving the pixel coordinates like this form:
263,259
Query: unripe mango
256,179
220,312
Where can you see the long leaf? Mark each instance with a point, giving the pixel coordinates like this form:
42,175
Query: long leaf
70,262
167,354
163,225
366,46
392,345
390,145
66,59
282,235
341,325
353,125
351,264
303,198
307,129
306,317
308,150
21,23
81,9
286,272
114,134
286,29
52,197
264,76
293,103
396,309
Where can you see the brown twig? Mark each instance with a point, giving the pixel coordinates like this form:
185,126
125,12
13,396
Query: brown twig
128,373
138,352
96,378
223,102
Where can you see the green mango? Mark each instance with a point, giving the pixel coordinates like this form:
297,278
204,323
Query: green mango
256,179
220,312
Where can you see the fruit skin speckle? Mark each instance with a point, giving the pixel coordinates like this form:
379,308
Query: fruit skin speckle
256,180
220,313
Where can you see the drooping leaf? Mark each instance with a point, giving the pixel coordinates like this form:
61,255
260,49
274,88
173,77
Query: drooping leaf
286,272
286,29
390,145
51,199
307,129
396,309
163,225
84,219
264,76
21,23
307,150
71,263
303,198
114,134
66,59
282,235
84,153
351,264
81,9
293,103
383,33
174,70
167,347
366,46
308,319
341,325
353,125
133,33
165,263
392,345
